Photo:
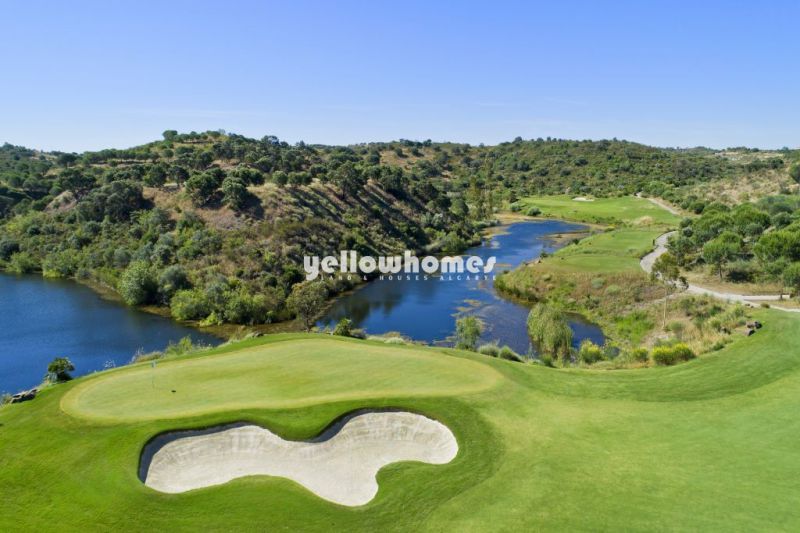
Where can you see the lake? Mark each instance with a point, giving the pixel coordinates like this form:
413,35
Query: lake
42,319
426,310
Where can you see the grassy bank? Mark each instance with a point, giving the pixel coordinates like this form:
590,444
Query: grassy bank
600,276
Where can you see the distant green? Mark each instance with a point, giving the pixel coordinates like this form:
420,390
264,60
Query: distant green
624,209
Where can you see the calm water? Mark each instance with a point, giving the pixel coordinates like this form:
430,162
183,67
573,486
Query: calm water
42,319
427,310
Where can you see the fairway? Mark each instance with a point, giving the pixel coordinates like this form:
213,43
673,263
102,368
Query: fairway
617,250
708,445
625,209
614,251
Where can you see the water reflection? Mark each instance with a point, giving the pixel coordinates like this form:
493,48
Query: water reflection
427,309
43,319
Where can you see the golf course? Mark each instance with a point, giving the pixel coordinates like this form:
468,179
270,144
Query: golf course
710,444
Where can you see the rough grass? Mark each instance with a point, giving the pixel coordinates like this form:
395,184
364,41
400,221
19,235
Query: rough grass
706,445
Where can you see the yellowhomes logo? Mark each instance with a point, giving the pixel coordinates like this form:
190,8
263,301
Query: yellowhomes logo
407,266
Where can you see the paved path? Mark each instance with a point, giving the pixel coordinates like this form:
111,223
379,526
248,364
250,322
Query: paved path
747,299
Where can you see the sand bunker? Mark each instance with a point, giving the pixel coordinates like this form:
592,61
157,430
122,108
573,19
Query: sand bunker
340,465
582,199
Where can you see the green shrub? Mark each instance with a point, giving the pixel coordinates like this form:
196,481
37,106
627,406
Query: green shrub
491,349
60,265
468,330
344,328
547,360
137,285
670,355
241,307
182,347
613,290
190,304
171,280
533,211
508,354
717,346
214,319
676,328
639,355
8,247
23,263
59,370
590,353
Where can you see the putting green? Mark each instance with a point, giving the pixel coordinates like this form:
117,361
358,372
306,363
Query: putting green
277,375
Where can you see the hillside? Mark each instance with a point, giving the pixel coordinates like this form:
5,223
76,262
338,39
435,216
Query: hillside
222,221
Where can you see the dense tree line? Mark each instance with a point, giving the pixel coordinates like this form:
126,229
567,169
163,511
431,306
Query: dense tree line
750,242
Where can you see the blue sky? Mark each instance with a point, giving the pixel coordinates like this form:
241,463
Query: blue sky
91,75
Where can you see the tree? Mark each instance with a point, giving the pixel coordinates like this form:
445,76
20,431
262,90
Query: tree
306,301
550,332
459,208
234,193
8,247
349,178
791,277
67,159
190,304
157,175
171,280
344,328
59,370
775,245
179,175
280,178
721,249
666,269
201,187
468,331
71,179
137,285
241,307
299,178
680,247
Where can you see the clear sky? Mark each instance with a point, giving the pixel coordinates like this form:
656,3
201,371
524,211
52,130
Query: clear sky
90,75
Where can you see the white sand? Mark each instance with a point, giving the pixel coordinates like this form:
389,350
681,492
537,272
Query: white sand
582,199
341,469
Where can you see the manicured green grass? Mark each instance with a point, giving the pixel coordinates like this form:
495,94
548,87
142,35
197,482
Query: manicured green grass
707,445
626,209
277,375
619,250
614,251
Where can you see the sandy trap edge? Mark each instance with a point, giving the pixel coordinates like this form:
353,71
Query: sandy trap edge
339,465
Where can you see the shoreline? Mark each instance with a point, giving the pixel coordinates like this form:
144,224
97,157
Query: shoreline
227,332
